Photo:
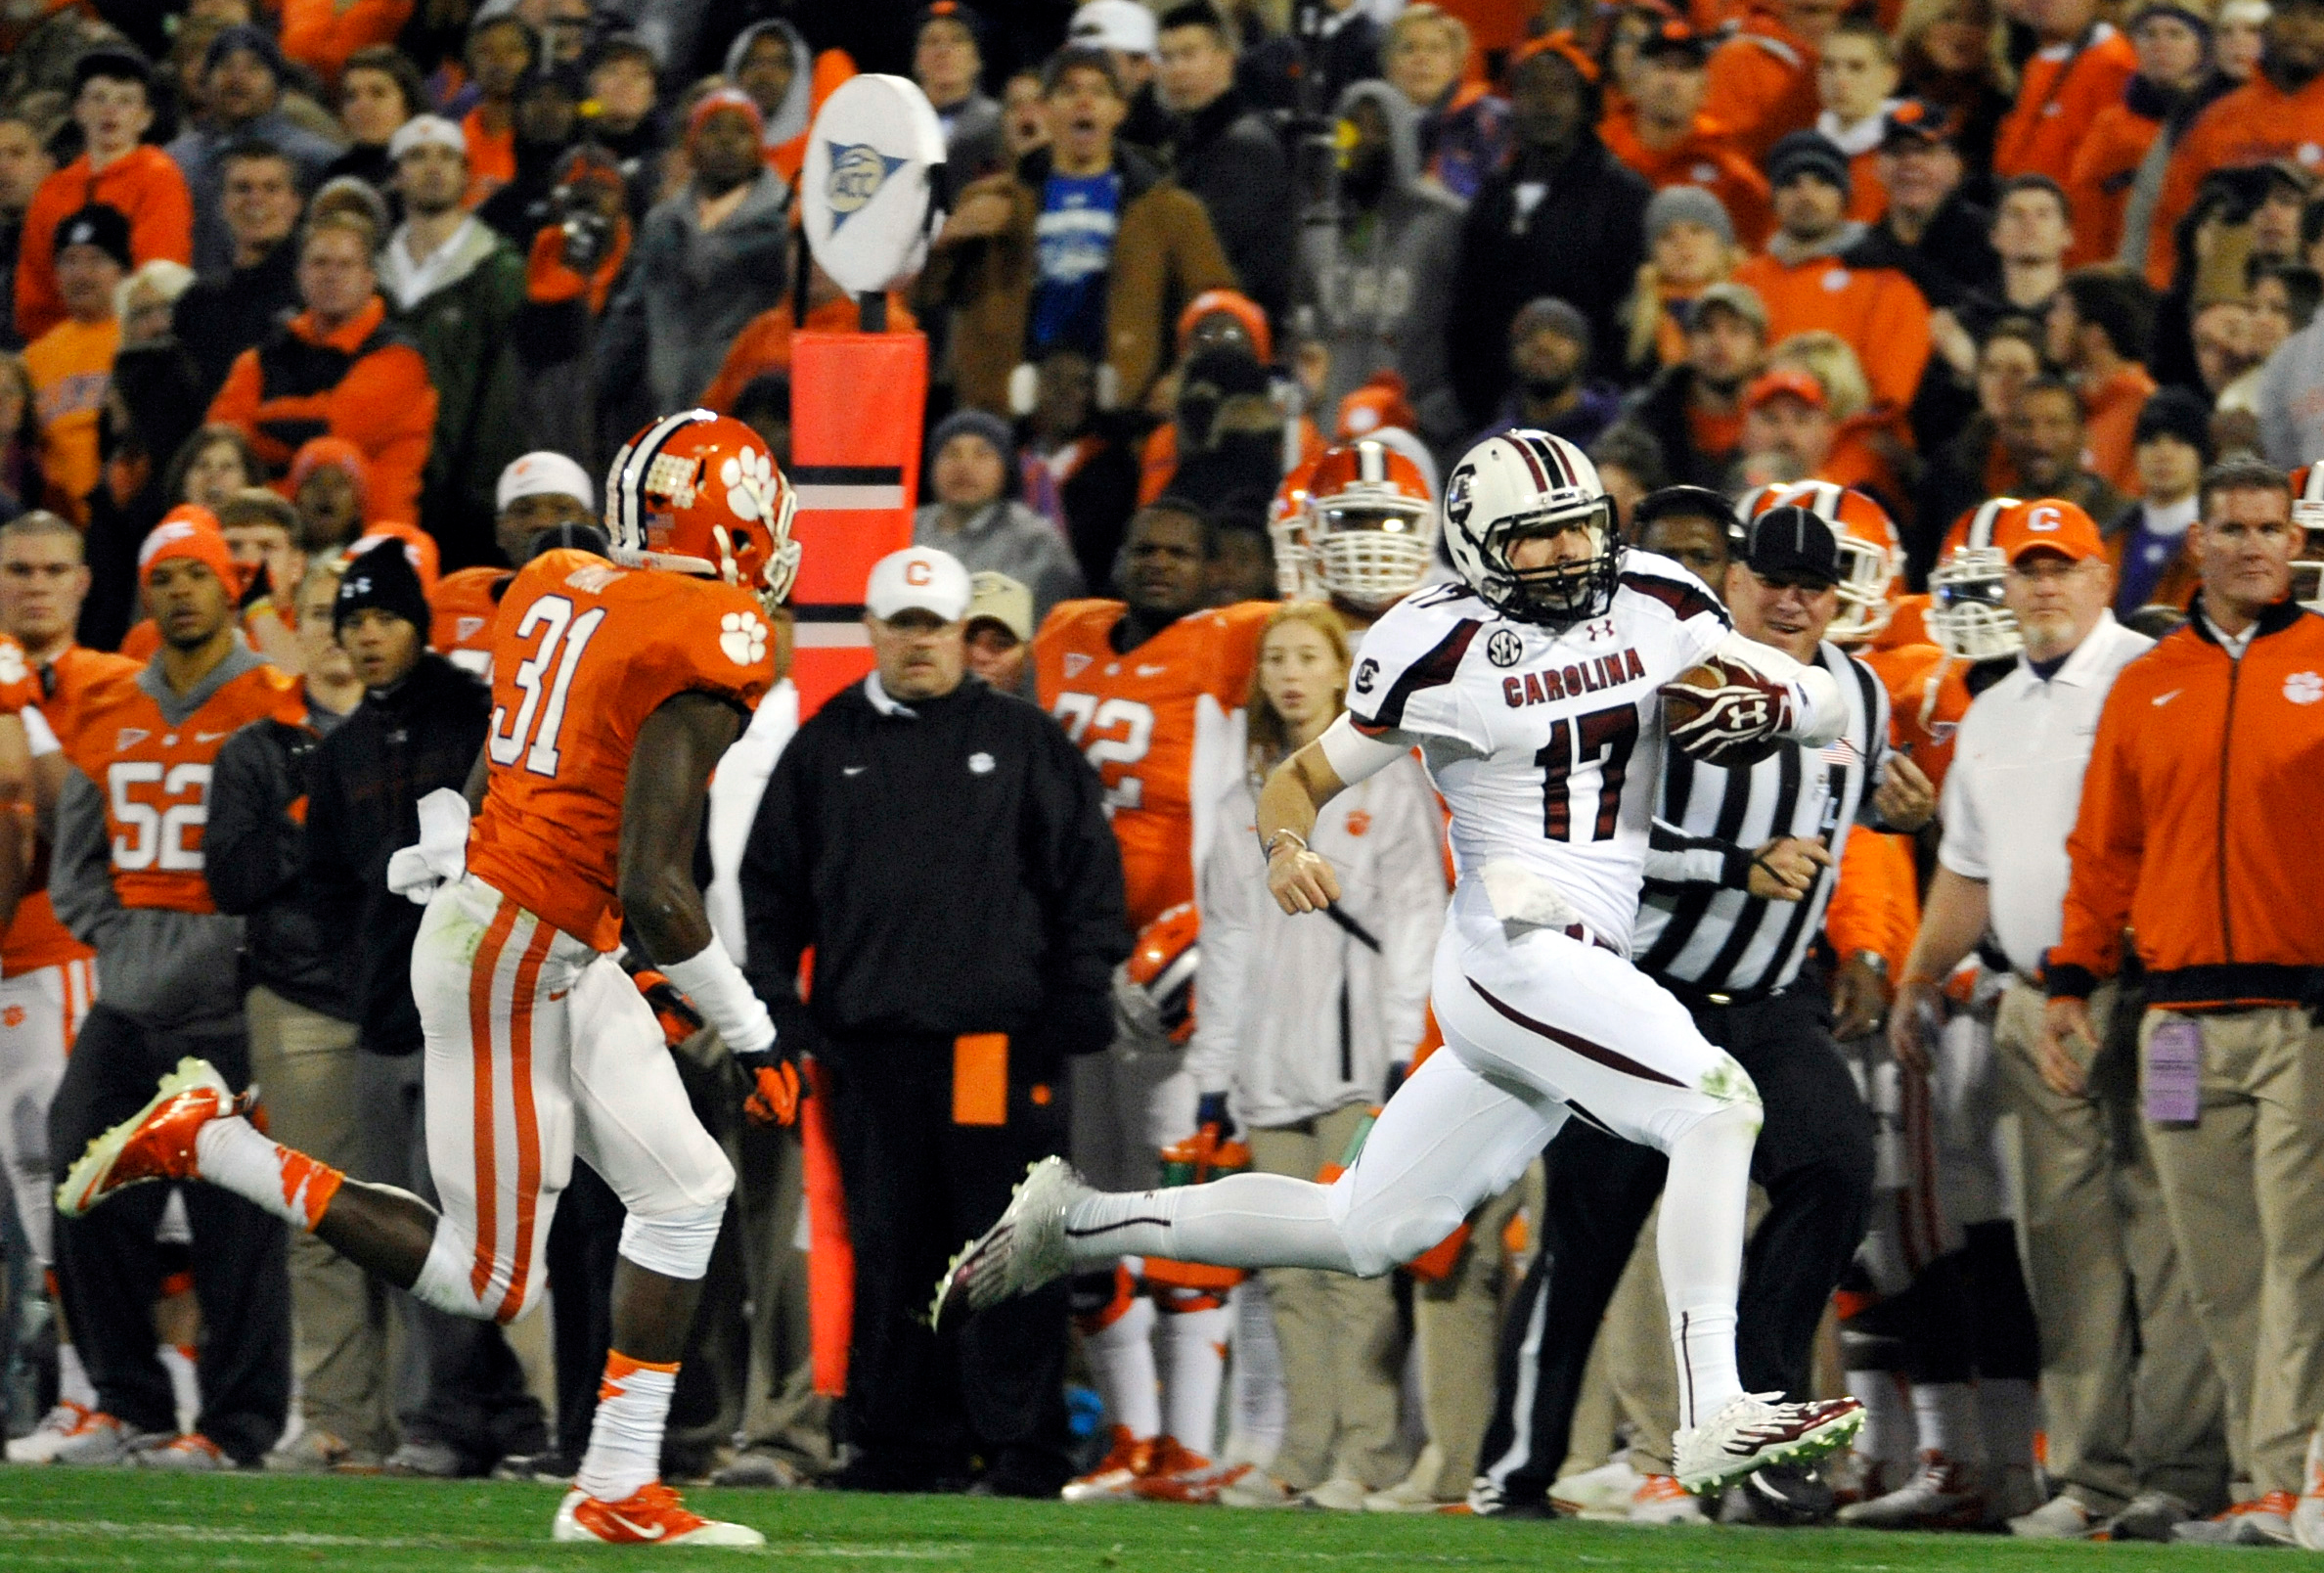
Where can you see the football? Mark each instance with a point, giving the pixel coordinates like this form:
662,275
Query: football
1724,714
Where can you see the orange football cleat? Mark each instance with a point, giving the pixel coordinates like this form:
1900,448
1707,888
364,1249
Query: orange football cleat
650,1515
1129,1460
157,1143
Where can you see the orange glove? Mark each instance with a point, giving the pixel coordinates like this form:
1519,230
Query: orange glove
678,1019
776,1090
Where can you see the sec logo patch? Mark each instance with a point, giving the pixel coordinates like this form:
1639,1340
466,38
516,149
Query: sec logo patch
1504,648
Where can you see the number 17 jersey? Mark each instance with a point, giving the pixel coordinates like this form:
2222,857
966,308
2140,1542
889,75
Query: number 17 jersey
1547,743
582,654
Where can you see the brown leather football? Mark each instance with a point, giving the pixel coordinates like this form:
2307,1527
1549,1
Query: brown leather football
1679,706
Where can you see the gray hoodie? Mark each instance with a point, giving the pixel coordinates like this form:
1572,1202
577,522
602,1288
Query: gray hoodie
791,118
1379,292
176,970
687,292
2290,398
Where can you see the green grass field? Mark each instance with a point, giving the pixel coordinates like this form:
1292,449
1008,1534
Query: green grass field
73,1520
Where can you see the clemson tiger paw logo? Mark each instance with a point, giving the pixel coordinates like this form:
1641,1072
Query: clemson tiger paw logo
742,637
750,479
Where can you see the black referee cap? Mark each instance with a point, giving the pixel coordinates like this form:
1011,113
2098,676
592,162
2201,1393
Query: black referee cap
1792,543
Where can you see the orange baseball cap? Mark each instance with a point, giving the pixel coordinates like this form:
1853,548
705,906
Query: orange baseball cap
2048,525
1786,379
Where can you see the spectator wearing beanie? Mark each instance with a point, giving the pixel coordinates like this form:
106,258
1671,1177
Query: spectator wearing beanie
330,486
338,365
1549,359
419,726
241,84
113,105
1810,277
1690,245
2171,449
972,460
70,365
1664,134
710,257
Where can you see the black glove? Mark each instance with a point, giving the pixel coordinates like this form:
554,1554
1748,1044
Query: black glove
1210,1109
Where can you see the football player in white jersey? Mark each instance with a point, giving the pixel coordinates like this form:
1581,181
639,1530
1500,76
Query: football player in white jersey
1535,690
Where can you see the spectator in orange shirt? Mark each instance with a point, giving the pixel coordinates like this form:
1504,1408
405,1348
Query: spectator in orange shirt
2279,113
1666,137
112,104
501,49
1788,429
2099,327
2082,67
1812,277
1855,81
2172,40
1763,79
321,34
337,370
71,364
2045,437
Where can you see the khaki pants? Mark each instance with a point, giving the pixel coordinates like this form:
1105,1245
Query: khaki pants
781,1413
2106,1280
305,1065
1455,1320
2244,1189
1341,1358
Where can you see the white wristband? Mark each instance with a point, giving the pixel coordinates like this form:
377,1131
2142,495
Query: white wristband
716,985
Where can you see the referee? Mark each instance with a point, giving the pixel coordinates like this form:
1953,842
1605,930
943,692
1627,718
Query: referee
1740,868
944,849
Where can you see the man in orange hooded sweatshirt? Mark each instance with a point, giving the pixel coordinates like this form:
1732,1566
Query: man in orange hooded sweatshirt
1763,79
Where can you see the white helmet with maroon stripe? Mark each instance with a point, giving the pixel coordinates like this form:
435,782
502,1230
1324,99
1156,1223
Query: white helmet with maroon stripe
698,493
1529,484
1966,614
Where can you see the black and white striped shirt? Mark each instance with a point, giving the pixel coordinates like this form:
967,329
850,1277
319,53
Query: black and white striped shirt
1698,925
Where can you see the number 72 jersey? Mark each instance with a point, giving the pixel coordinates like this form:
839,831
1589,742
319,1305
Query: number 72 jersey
582,654
1546,745
1162,725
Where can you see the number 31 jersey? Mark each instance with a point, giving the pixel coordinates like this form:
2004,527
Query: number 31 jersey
1162,725
1546,745
583,652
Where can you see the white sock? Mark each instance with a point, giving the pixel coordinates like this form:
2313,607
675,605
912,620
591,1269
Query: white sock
2008,1413
1122,1364
1247,1220
1256,1431
1699,1247
185,1387
1946,1415
625,1438
72,1378
1888,1436
1194,1368
233,1155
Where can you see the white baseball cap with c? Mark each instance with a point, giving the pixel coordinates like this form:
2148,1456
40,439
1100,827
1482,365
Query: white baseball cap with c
543,472
918,578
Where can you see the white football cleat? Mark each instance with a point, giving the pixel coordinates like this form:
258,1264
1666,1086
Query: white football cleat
1025,1250
2307,1514
650,1515
39,1445
1753,1430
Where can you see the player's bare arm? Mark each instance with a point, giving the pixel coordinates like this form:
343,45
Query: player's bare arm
1296,790
16,792
479,777
661,821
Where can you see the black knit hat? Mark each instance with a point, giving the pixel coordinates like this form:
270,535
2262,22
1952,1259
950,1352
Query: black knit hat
2178,413
100,225
382,577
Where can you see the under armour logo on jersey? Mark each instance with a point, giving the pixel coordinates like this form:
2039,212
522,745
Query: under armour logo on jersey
1603,628
1505,647
1367,671
744,638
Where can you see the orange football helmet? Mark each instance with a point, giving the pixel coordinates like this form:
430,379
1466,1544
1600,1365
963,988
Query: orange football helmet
698,493
1966,616
1871,554
2307,518
1286,528
1162,966
1367,533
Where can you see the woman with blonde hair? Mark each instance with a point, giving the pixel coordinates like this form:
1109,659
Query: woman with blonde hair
1465,130
1298,1030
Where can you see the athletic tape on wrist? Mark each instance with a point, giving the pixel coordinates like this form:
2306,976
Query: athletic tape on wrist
716,985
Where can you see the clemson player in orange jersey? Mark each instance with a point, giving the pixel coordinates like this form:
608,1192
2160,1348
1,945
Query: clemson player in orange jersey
47,977
1150,688
615,692
543,499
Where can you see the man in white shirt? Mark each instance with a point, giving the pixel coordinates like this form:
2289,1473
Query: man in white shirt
2134,1449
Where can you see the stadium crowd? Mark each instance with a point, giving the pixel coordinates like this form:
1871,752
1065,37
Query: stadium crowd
340,307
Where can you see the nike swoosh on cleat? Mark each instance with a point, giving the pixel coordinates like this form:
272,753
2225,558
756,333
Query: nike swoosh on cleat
642,1531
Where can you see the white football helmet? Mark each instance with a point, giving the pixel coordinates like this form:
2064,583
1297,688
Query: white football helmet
1966,614
2307,518
1525,483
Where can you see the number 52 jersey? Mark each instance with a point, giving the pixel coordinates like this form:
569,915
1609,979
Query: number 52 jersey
1546,745
582,654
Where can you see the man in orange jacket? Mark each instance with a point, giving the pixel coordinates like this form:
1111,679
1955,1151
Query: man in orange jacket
113,106
1763,79
2279,113
2082,67
1806,278
2190,834
1664,134
2099,325
337,370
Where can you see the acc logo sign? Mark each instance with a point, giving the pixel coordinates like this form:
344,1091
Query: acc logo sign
858,171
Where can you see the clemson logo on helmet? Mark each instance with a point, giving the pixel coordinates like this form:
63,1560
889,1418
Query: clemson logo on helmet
742,637
750,479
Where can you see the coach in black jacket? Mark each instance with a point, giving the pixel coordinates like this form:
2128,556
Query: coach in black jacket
944,849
